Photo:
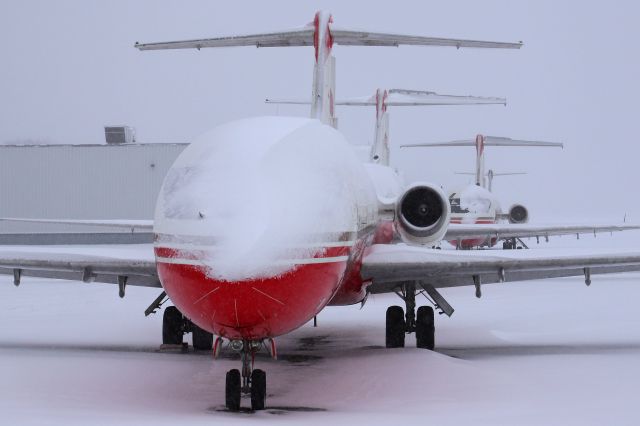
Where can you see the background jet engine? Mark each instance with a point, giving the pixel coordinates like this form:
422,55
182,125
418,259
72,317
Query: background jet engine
422,214
518,214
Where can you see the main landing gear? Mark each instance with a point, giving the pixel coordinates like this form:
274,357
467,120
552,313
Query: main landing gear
422,322
513,243
175,325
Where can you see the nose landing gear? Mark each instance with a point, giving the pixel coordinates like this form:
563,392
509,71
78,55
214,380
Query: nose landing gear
247,381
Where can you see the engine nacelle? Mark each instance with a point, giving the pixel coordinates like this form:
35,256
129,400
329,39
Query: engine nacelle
422,214
518,214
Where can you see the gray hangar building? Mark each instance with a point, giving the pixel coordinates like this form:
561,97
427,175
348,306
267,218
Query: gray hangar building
102,181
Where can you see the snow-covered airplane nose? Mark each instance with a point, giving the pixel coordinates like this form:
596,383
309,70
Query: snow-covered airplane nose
255,223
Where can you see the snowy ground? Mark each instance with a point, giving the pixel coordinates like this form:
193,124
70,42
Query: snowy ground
543,352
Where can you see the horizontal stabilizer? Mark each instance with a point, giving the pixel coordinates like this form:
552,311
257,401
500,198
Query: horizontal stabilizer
402,97
488,141
494,174
304,37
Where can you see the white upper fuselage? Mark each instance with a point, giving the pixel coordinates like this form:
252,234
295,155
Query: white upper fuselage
262,196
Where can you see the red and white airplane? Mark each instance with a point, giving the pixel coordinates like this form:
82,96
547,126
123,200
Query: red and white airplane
262,223
385,98
476,204
474,209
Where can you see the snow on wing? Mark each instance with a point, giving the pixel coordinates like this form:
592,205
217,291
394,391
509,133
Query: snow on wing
134,225
525,230
81,267
386,265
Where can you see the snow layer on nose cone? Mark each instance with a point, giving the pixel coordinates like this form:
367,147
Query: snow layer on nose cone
260,195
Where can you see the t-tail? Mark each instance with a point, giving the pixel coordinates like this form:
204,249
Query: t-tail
384,98
480,143
380,147
324,71
322,35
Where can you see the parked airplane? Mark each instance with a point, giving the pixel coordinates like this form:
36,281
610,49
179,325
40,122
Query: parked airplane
383,99
263,222
472,225
476,204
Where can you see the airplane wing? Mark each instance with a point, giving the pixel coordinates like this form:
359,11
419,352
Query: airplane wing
525,230
387,265
126,265
133,225
304,37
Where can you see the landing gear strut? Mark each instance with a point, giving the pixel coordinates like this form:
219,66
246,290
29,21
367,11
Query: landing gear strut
175,325
399,323
249,382
513,243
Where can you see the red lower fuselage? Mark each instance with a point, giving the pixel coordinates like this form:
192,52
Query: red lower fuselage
256,232
470,243
267,307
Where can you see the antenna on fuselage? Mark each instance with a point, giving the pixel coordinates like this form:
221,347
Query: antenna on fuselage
322,35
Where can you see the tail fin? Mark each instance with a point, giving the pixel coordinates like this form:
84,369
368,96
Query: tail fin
324,71
398,97
401,97
380,147
321,34
480,142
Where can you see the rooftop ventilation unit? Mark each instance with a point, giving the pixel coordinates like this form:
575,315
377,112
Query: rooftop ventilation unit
117,135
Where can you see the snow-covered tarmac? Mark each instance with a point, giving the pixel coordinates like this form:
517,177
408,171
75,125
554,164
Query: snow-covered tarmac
541,352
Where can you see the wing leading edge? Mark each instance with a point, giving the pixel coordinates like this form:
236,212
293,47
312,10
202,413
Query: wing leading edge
132,224
501,231
126,268
386,265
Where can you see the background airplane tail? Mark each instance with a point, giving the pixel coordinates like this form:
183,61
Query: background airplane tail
324,71
480,142
490,175
380,147
321,34
382,99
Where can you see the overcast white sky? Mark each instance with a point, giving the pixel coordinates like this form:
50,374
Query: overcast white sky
69,68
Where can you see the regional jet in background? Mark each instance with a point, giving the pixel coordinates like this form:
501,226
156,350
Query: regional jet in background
262,223
477,219
476,204
382,99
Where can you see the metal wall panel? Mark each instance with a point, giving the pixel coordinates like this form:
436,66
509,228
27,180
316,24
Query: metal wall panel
81,182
